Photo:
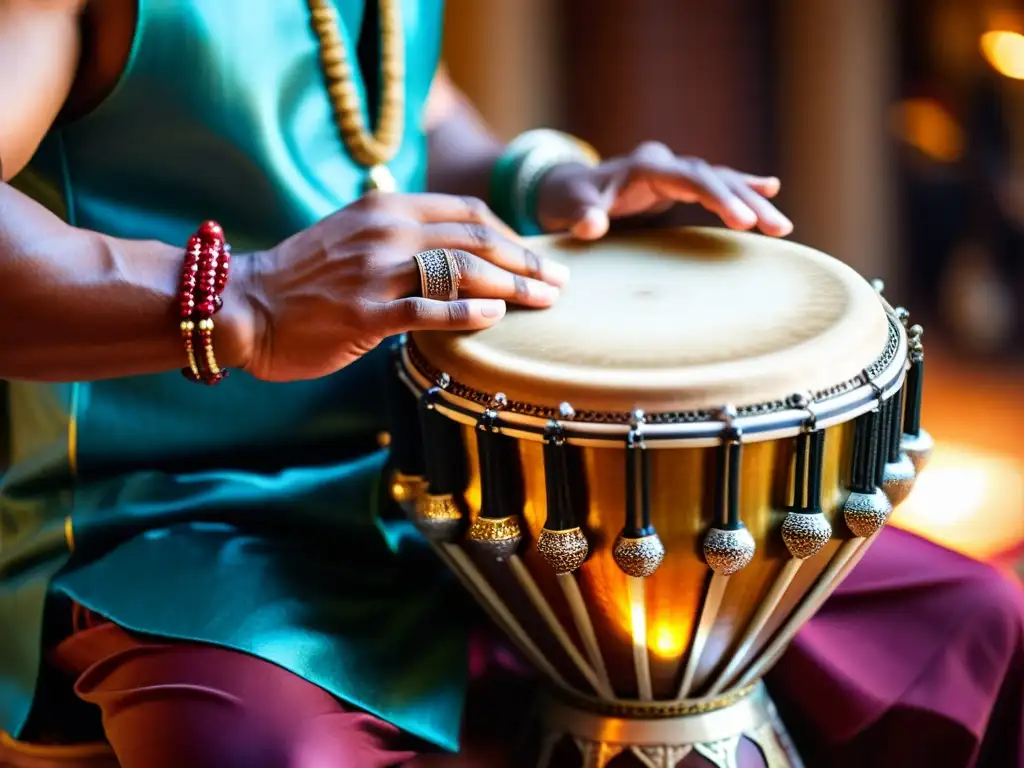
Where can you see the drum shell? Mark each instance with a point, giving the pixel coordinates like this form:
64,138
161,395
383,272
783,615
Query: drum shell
681,512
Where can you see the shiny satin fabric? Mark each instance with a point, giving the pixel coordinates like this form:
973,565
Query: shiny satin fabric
243,515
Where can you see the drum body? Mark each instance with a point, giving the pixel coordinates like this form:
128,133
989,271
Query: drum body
654,485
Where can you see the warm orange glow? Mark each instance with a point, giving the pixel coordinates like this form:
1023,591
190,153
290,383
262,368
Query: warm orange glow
967,500
667,642
637,615
1004,51
928,127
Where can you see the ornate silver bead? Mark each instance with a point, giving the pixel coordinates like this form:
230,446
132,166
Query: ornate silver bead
727,552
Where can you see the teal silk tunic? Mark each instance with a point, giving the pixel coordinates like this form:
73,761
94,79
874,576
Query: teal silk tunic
244,514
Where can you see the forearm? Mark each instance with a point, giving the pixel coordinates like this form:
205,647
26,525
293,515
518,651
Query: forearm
77,305
462,149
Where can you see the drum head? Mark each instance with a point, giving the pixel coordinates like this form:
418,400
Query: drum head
675,320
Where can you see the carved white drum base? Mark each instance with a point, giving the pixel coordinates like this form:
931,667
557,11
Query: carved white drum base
664,739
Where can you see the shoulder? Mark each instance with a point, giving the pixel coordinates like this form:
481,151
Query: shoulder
107,33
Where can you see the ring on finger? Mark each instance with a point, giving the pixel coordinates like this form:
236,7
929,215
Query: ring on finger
439,274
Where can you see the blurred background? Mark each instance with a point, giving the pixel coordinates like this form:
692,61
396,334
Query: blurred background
897,128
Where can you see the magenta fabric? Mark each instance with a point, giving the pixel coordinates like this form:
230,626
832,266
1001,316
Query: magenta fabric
918,659
168,705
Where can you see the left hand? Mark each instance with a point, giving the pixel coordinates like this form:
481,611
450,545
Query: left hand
582,199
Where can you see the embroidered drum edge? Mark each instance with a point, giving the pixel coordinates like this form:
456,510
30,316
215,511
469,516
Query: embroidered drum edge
461,390
657,709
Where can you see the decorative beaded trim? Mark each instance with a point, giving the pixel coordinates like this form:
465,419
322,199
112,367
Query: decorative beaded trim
657,709
522,408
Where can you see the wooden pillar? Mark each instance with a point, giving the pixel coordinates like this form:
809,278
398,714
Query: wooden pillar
837,76
504,55
690,74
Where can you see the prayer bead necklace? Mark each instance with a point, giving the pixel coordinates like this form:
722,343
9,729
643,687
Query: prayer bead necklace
371,150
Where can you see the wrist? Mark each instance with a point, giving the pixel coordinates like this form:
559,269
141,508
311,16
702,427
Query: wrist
237,321
214,319
529,160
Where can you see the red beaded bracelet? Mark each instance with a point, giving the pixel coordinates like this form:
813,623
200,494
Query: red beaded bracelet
203,279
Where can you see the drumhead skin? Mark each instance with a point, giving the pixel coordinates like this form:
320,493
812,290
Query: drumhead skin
674,320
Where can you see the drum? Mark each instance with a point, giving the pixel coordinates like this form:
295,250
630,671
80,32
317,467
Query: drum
652,485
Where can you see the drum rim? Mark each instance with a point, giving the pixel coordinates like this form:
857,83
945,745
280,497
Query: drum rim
757,422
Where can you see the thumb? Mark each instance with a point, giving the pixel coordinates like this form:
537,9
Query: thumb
577,200
588,207
591,224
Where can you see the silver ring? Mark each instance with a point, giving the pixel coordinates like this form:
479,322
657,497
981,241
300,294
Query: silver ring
439,274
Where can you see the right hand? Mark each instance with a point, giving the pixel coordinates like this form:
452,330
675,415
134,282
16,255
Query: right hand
333,292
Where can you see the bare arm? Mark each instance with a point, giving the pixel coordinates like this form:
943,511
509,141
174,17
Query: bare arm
74,304
462,149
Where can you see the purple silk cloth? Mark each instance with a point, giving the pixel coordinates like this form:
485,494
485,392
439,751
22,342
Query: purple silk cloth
917,660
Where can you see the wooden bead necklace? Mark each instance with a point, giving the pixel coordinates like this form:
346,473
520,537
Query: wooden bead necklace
371,150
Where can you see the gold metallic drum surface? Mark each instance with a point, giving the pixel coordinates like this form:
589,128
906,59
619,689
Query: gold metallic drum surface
681,515
724,489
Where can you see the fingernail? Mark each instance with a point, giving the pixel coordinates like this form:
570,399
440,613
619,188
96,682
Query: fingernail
544,291
555,272
592,225
742,212
595,217
495,308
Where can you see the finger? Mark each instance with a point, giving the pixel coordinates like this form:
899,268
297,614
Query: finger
716,195
769,219
690,180
592,224
434,208
584,198
766,186
488,243
480,279
418,314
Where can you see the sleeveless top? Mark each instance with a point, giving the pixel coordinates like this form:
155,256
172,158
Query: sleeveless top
245,514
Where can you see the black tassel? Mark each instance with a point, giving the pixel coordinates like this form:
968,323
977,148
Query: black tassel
861,473
406,438
817,451
638,487
562,542
727,481
558,480
728,546
915,384
440,512
638,550
896,426
497,528
501,476
881,441
444,460
800,473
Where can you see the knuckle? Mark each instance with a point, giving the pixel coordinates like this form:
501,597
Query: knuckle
369,203
700,165
458,312
520,288
651,149
534,268
466,263
476,209
376,228
366,266
413,312
480,235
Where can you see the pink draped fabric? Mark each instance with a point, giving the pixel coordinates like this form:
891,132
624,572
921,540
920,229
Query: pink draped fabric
917,660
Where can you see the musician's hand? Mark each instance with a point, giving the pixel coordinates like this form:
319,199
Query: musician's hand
331,293
582,199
